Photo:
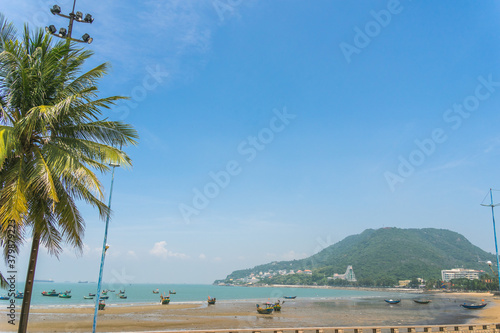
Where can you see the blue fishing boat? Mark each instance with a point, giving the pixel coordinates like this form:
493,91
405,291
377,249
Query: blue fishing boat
211,300
392,301
289,297
422,301
473,305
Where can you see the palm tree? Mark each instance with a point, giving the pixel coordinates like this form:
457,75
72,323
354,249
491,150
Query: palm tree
51,140
7,32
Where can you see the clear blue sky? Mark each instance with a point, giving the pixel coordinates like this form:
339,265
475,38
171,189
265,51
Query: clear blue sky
271,129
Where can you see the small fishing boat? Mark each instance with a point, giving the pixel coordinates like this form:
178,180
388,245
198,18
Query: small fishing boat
422,301
64,295
156,291
88,297
165,299
123,296
267,310
392,301
111,290
277,306
4,297
19,295
101,305
122,292
172,292
211,300
53,292
104,297
289,297
91,294
473,305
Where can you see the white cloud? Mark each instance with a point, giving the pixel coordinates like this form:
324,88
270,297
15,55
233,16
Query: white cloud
450,165
187,24
160,250
202,256
293,255
492,145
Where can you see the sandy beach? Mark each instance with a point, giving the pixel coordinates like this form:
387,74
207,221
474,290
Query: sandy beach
444,309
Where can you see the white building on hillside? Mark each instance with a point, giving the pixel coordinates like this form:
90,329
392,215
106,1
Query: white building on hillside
459,273
348,275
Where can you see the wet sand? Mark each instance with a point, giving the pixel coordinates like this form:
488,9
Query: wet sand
444,309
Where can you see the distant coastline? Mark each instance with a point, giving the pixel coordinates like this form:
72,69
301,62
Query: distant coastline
388,289
49,280
404,290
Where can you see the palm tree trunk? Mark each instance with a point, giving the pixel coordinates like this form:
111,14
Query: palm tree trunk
30,276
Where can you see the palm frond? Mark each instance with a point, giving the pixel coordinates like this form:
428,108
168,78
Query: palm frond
7,31
3,283
40,178
13,200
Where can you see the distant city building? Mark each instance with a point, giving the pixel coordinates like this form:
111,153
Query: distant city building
348,275
404,283
459,273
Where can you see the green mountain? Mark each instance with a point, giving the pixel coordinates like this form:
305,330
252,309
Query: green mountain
383,256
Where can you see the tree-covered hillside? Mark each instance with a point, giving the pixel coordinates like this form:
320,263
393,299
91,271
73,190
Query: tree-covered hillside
383,256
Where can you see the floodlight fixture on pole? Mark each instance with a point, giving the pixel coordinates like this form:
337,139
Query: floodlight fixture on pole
67,34
494,233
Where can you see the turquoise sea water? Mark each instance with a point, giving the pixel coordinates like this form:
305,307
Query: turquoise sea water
143,293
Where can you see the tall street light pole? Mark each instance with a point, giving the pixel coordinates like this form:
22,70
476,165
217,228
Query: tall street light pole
494,233
104,248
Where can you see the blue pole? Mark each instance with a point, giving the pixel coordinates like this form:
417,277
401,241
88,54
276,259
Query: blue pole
98,294
495,234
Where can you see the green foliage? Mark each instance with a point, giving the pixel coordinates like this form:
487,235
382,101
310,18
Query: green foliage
486,283
382,257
